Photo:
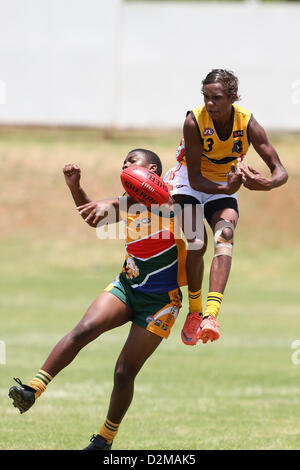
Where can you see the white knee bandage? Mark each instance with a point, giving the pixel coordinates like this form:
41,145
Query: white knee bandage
223,246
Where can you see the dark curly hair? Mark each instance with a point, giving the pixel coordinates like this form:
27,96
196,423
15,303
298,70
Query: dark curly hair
227,77
149,157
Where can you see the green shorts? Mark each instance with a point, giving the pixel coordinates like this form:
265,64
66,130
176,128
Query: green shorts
154,312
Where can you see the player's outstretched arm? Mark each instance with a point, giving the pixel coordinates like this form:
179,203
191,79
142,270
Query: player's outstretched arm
108,211
72,174
99,213
193,153
253,179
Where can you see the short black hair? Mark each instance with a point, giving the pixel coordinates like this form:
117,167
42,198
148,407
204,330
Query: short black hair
150,157
227,77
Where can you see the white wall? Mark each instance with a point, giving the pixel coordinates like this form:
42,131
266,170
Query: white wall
169,48
57,60
101,62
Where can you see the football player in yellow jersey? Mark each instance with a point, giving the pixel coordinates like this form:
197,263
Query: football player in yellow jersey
216,138
152,313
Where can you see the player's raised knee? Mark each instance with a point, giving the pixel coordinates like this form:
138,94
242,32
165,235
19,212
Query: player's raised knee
223,238
124,375
84,332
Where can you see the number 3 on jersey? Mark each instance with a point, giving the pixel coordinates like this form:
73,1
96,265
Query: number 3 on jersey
209,143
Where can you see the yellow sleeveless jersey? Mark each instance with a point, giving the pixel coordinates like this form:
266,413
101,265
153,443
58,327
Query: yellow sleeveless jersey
217,154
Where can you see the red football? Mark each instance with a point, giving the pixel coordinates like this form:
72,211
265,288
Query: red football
144,186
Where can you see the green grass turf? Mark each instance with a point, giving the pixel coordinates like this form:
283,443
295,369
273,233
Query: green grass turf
241,392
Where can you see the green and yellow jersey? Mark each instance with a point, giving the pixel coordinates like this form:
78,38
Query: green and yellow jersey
155,252
154,268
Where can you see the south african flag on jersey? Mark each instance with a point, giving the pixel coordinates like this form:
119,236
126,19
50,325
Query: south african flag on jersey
155,253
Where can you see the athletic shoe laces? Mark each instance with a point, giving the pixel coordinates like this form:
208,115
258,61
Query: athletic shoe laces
25,387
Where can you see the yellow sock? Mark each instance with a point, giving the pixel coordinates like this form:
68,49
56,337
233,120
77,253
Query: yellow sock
109,430
213,304
40,382
195,301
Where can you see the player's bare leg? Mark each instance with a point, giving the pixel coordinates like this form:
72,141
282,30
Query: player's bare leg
195,268
195,233
105,313
138,348
195,271
221,265
219,274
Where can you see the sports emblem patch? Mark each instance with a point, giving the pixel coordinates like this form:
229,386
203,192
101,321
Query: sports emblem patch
131,268
237,146
208,131
238,133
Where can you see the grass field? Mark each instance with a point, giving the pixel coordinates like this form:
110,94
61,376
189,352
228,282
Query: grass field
241,392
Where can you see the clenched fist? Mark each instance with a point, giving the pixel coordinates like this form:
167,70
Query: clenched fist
72,174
